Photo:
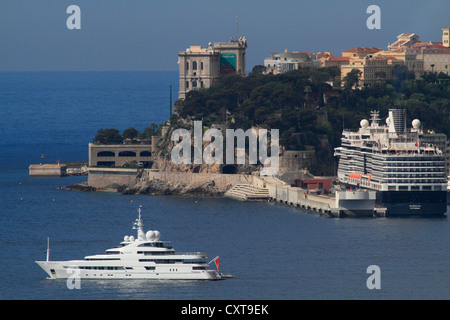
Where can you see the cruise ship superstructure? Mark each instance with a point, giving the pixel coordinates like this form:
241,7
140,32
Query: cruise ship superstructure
408,175
143,257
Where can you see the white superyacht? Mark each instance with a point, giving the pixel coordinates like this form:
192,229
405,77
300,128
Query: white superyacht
144,257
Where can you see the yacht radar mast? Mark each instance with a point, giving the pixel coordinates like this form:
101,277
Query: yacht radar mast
139,226
375,118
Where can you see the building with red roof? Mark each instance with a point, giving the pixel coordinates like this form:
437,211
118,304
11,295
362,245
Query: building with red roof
359,52
435,55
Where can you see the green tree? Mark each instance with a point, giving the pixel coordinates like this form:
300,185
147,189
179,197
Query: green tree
108,136
352,79
152,130
130,133
257,70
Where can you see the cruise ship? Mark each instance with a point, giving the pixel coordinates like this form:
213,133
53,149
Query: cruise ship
143,257
407,174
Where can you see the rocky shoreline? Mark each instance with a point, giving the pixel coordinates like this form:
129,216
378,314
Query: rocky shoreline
83,186
156,187
160,187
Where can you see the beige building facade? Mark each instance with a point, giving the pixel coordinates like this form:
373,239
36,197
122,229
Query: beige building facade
327,59
359,53
200,67
446,37
120,155
435,55
410,60
373,69
436,58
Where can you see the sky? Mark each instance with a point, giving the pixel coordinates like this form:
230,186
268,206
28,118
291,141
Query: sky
146,35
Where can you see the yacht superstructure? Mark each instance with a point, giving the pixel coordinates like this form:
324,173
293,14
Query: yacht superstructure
143,257
408,175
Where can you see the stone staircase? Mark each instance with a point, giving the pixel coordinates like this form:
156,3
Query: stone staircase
247,192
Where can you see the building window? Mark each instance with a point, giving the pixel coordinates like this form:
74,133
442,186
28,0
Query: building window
106,154
187,65
201,84
201,65
194,65
127,154
187,84
194,84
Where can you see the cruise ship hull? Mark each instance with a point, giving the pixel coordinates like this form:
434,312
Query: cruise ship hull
68,269
413,203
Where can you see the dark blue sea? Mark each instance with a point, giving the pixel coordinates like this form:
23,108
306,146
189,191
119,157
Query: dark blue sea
274,252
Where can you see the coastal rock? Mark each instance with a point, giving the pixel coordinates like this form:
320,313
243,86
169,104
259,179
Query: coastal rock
160,187
83,186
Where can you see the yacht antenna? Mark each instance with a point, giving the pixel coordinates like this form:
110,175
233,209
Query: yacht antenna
48,249
138,225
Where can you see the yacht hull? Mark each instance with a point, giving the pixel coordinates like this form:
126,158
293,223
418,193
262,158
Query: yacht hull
65,270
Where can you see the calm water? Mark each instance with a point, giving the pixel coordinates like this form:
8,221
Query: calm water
274,252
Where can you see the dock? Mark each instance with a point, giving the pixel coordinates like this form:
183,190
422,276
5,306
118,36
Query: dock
58,170
346,203
47,170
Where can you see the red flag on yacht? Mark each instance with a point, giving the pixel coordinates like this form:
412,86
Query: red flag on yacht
216,261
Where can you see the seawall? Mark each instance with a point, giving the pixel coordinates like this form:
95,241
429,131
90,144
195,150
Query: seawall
110,178
221,181
150,181
47,170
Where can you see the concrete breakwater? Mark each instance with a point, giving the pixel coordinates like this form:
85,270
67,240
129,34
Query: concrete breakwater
58,170
47,170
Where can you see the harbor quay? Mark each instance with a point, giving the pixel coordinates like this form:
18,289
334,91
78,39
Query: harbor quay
243,187
57,169
49,170
345,203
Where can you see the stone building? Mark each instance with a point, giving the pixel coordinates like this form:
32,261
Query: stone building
435,55
199,67
290,60
410,60
295,160
120,155
359,53
328,60
373,69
